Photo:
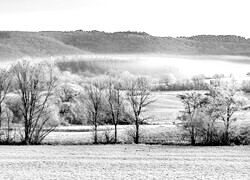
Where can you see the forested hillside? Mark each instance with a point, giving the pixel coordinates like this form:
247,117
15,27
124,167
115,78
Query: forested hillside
56,43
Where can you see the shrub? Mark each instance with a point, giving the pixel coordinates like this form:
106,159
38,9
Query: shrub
130,135
8,133
107,136
240,136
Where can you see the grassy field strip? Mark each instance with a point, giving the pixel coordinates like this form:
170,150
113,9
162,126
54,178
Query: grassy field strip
84,135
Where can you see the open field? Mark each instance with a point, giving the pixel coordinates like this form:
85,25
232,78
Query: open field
163,134
165,109
124,162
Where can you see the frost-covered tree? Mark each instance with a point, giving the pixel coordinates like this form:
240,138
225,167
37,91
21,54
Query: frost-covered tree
139,97
70,102
227,100
34,83
94,105
210,116
115,101
5,82
191,116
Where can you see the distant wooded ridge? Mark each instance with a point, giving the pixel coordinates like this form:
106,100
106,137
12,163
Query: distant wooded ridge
17,44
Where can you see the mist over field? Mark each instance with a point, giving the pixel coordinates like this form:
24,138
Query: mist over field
158,65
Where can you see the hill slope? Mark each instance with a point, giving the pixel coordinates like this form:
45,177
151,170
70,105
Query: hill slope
57,43
20,44
133,42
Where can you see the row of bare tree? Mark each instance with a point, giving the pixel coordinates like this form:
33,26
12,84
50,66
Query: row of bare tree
135,94
35,89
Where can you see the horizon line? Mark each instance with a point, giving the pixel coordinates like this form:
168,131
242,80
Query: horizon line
125,31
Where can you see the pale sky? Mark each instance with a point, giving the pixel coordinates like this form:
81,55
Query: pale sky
156,17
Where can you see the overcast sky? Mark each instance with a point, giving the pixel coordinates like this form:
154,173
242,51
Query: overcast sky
157,17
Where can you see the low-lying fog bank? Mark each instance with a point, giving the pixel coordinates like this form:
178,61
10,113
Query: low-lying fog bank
181,66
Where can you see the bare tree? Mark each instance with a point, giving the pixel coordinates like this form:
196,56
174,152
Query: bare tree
227,99
34,84
5,82
139,97
193,102
115,102
70,101
94,105
210,112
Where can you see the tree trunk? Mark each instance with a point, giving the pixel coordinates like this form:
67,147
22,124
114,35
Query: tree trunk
226,139
0,116
8,130
26,139
192,140
137,131
208,135
226,134
95,135
192,137
115,133
26,132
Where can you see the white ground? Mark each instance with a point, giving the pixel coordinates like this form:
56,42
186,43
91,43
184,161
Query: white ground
124,162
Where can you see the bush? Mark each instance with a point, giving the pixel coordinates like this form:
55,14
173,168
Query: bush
245,86
107,136
130,135
9,134
240,136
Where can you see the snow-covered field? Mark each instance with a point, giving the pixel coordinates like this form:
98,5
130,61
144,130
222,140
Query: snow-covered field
124,162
